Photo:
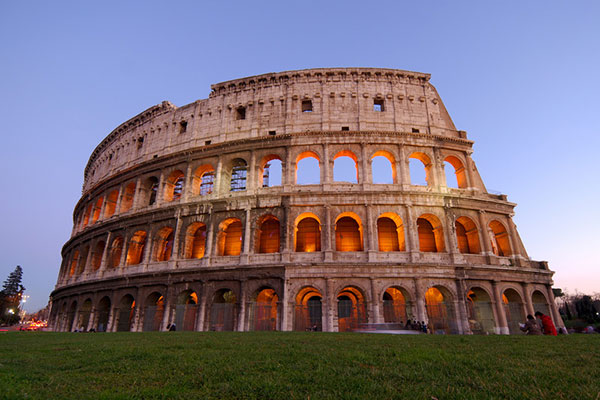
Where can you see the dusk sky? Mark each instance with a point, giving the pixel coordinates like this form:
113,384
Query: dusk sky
522,78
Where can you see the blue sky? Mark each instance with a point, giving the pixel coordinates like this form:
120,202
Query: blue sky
520,77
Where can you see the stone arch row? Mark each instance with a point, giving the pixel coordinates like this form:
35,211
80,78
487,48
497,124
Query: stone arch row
246,306
161,243
251,170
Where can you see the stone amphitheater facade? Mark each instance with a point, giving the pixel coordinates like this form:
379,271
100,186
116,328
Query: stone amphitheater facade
180,224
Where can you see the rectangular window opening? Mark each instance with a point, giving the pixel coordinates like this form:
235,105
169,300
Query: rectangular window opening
378,105
345,128
272,133
182,126
240,113
307,106
207,142
415,130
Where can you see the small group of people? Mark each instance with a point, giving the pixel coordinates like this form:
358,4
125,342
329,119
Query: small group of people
416,326
532,327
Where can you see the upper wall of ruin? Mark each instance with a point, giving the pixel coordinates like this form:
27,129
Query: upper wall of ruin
365,99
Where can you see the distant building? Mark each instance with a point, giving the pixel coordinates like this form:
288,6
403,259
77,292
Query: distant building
183,221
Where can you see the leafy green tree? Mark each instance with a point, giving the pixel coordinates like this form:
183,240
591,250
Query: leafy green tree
10,297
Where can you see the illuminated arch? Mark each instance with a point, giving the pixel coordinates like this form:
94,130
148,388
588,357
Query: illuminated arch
383,162
514,309
268,234
127,199
459,171
195,240
308,169
150,190
540,303
390,233
440,311
431,234
499,238
111,204
97,209
153,312
74,262
174,186
116,249
135,250
308,310
86,215
349,160
230,237
264,313
426,160
97,254
348,232
396,305
467,236
203,180
270,172
163,245
352,310
480,313
186,310
307,235
239,171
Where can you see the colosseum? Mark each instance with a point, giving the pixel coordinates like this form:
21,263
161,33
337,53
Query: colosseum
292,201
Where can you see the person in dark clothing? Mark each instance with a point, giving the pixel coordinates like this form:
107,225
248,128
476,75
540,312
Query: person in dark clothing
531,327
549,328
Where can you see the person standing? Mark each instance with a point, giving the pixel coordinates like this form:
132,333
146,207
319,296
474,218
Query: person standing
549,328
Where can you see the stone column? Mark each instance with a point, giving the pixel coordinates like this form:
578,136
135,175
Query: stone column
469,171
528,302
502,323
202,309
328,304
365,175
176,238
241,323
136,195
326,231
462,320
486,245
437,166
119,200
147,256
252,175
162,184
375,311
187,187
450,232
412,235
91,324
326,168
286,169
168,304
124,251
218,179
420,301
209,237
553,309
402,168
286,306
244,259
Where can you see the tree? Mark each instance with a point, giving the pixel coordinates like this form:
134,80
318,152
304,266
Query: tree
10,297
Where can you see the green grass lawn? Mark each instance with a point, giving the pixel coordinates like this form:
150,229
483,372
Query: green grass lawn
297,365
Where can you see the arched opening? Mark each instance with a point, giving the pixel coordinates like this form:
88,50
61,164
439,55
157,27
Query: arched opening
164,244
345,167
348,234
203,181
151,190
229,239
86,215
71,317
440,310
270,171
390,233
308,235
97,209
115,252
111,204
420,169
456,176
540,303
174,186
263,311
514,310
268,235
480,312
396,306
84,315
499,238
383,168
431,235
74,263
186,310
103,312
308,171
125,312
83,260
153,312
223,311
308,311
135,251
97,255
351,309
467,236
195,242
127,199
239,169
